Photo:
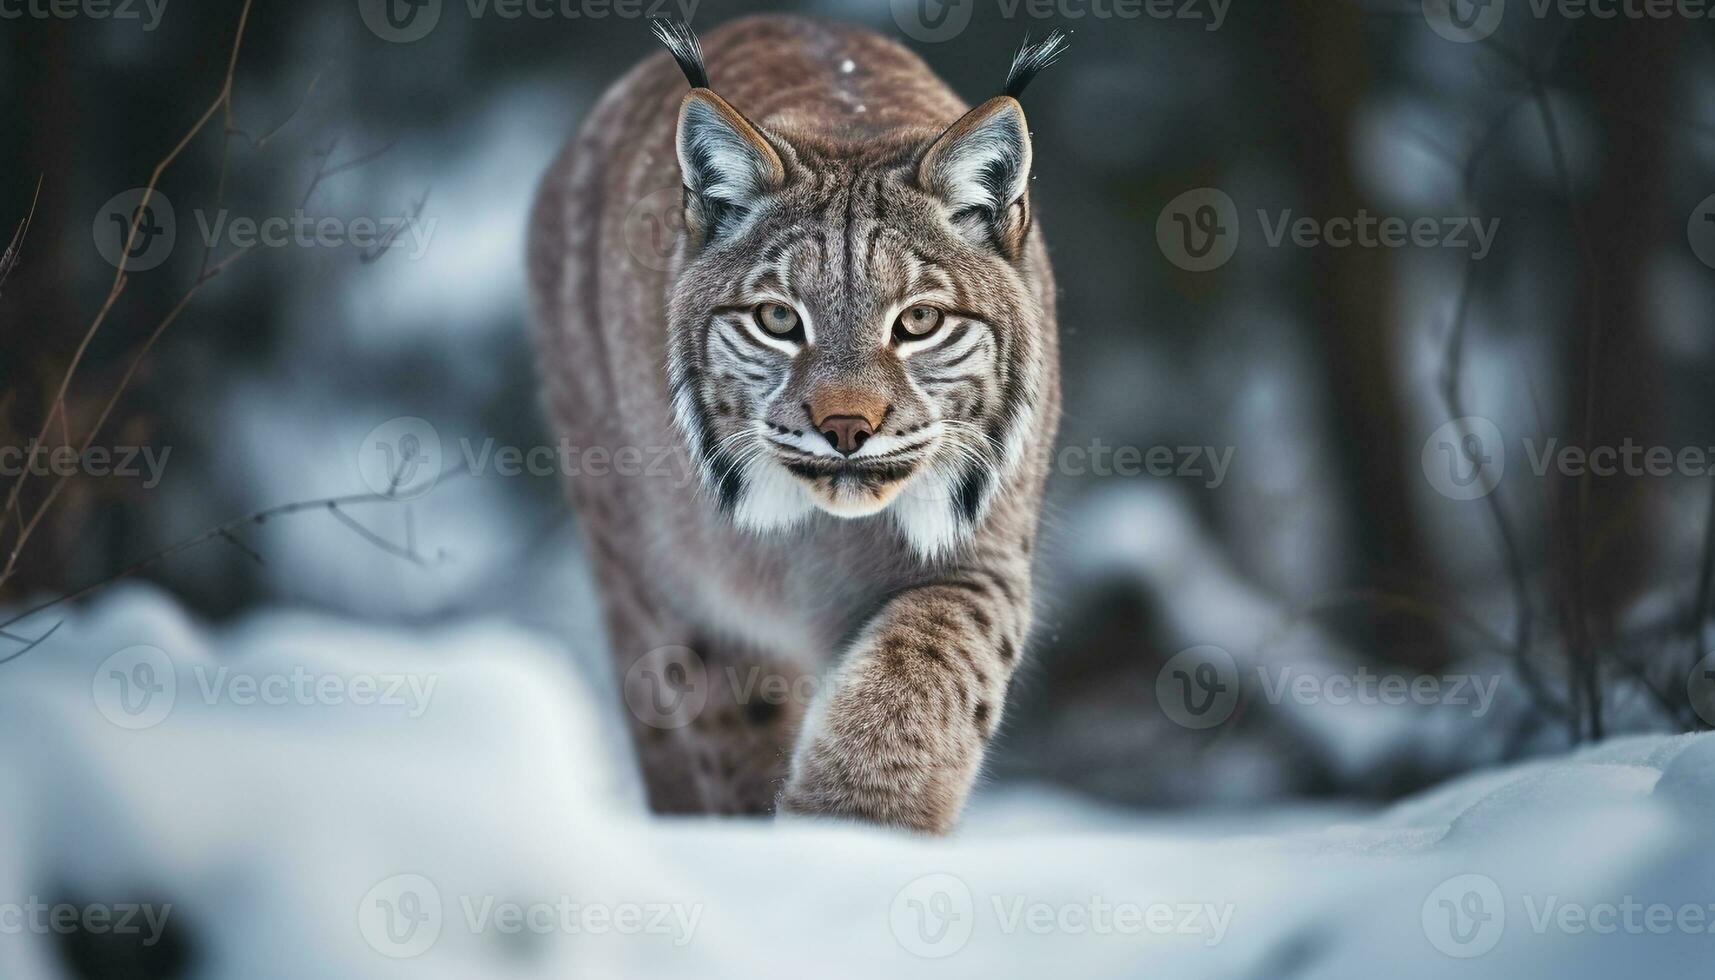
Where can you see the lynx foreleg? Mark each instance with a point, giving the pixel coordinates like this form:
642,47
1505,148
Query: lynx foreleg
897,735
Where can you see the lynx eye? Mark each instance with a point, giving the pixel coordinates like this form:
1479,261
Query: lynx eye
777,318
917,322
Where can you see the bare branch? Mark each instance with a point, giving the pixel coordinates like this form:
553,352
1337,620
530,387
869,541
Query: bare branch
15,248
225,532
385,244
323,171
257,143
31,644
57,407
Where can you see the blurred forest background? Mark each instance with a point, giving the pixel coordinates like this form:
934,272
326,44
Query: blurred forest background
1327,547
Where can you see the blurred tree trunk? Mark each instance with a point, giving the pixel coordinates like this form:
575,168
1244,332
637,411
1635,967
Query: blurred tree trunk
1314,55
1608,525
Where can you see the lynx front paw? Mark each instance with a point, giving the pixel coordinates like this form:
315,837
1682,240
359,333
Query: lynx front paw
894,744
822,800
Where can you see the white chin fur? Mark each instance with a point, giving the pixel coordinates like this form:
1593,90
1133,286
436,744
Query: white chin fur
844,504
773,499
921,507
925,514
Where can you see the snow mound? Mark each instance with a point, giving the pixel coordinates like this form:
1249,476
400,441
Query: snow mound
297,796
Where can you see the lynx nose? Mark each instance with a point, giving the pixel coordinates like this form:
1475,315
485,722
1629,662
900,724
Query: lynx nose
847,433
845,414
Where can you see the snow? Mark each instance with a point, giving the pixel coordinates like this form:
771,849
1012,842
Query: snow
299,790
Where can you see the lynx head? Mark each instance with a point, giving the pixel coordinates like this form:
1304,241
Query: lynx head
852,326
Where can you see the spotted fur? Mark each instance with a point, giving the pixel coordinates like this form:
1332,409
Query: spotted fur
834,175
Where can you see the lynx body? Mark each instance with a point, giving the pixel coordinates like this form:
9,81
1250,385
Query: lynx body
846,367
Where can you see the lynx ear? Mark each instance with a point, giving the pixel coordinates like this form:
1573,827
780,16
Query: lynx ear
726,164
980,168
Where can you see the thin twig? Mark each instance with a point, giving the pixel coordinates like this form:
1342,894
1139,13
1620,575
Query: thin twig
385,243
14,253
323,171
257,143
31,644
224,532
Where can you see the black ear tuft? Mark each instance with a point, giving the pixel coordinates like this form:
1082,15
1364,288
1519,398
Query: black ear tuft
682,43
1032,58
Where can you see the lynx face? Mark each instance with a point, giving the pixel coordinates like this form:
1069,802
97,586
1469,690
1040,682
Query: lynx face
850,330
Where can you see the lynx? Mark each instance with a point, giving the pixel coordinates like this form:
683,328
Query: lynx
852,347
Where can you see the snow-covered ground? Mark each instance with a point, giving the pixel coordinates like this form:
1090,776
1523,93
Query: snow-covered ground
297,796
